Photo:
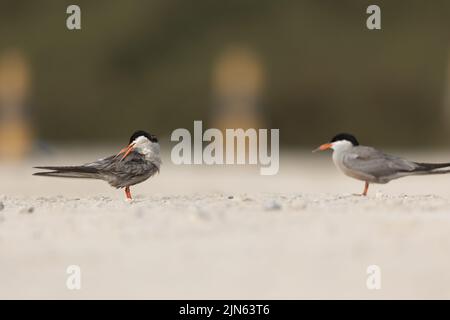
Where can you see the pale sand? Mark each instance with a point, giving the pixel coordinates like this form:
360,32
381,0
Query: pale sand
224,232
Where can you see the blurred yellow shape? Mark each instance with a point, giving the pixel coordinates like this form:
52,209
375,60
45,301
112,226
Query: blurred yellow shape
15,129
238,81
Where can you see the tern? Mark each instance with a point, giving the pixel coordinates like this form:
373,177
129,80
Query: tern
373,166
132,165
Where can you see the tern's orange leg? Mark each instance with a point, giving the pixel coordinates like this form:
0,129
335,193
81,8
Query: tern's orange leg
128,193
366,188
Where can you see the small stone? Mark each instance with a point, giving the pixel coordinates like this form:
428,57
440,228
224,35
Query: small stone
28,210
272,206
230,197
299,204
2,206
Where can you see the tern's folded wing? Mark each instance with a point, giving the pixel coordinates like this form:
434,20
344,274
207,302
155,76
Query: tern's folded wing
122,172
373,162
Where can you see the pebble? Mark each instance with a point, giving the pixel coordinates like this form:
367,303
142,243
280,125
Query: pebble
379,195
299,204
2,206
272,205
27,210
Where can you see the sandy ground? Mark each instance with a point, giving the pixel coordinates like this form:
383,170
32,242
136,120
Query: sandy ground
224,232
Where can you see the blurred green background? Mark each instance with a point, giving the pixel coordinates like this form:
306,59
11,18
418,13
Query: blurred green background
150,65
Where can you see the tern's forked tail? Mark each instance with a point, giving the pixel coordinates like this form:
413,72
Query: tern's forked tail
69,172
432,167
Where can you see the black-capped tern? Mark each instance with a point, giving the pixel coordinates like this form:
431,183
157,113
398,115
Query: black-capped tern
132,165
373,166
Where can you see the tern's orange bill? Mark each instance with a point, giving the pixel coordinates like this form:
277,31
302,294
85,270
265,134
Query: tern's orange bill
126,151
323,147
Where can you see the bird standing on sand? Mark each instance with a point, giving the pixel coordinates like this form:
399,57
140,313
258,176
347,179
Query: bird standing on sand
373,166
132,165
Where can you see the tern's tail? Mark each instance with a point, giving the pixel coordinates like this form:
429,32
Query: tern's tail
432,168
69,172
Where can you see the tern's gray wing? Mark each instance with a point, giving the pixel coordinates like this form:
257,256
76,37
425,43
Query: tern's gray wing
376,165
120,172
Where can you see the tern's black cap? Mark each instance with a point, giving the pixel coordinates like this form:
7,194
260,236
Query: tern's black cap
345,136
140,133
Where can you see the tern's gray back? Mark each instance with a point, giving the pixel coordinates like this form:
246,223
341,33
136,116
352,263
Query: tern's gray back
367,163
